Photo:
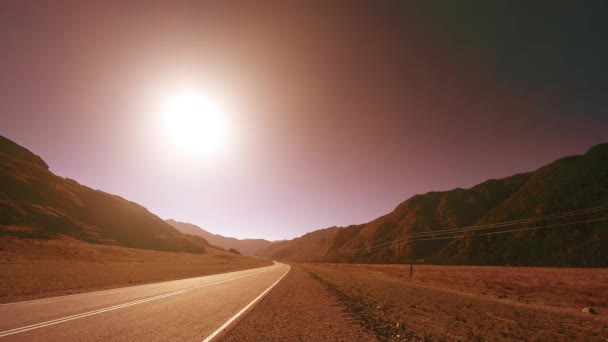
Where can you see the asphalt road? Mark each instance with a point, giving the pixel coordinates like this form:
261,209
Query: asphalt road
181,310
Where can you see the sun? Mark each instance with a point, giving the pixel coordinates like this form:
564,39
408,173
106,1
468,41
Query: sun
195,123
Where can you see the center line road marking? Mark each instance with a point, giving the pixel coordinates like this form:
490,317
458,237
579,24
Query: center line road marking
109,290
115,307
220,329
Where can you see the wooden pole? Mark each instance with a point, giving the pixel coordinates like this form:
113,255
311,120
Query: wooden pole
337,256
412,261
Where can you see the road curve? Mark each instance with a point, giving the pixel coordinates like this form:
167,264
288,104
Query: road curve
193,309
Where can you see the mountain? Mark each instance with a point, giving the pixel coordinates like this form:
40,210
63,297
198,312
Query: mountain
568,184
317,245
246,246
36,204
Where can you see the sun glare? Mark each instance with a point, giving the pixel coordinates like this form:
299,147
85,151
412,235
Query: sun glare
196,124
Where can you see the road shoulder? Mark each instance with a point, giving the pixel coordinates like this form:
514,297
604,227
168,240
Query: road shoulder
299,308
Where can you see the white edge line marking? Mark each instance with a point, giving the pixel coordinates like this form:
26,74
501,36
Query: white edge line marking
220,329
127,287
115,307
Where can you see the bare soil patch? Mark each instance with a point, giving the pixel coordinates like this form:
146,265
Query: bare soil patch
32,269
299,308
450,303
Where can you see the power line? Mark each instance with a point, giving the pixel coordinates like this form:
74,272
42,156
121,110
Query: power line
408,237
488,226
506,223
514,230
414,238
489,233
510,223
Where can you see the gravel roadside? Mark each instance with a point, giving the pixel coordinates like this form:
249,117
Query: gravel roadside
299,308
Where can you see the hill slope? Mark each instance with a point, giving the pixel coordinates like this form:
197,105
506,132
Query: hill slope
567,184
35,203
246,246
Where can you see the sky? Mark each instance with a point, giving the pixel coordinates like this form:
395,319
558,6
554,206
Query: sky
337,110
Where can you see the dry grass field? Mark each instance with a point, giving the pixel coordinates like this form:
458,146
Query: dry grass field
31,269
467,303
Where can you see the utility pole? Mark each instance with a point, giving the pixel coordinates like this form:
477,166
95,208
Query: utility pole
337,256
412,261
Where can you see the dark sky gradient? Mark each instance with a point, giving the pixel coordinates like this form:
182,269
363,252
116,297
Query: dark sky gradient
343,109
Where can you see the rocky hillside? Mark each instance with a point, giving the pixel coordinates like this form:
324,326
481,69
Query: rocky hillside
35,203
245,246
571,183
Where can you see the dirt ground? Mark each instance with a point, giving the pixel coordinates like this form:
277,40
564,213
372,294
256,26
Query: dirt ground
299,308
31,269
568,288
453,303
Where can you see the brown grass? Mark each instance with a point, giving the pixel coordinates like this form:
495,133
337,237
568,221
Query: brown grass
473,303
31,269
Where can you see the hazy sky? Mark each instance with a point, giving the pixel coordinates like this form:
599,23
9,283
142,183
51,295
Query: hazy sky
339,110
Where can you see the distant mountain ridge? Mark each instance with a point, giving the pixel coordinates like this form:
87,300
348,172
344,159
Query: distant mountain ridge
246,246
35,203
570,183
